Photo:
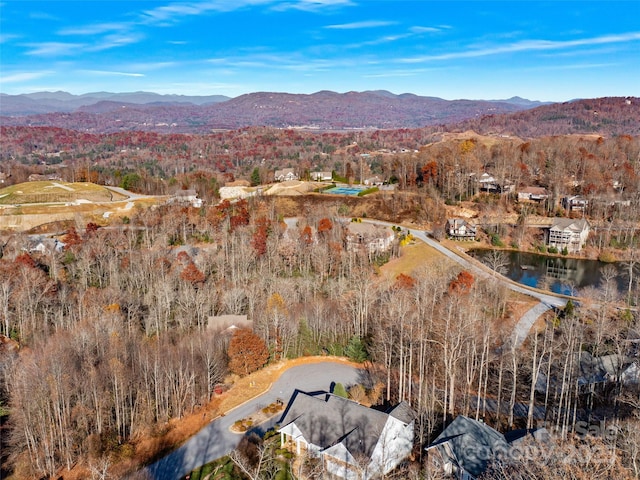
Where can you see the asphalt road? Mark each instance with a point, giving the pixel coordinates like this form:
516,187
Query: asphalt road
522,328
216,440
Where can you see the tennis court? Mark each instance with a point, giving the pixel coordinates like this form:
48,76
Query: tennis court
346,190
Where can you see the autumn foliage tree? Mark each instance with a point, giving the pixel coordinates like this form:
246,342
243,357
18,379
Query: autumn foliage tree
462,283
247,352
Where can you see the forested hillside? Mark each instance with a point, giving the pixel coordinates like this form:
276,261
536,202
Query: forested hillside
108,339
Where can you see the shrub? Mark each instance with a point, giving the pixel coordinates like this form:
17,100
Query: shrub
607,257
367,191
496,241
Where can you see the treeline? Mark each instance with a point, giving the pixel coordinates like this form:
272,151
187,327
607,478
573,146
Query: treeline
588,165
114,342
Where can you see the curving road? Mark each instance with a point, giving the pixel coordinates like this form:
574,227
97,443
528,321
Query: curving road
216,440
522,328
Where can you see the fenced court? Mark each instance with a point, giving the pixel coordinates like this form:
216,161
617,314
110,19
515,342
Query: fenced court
344,190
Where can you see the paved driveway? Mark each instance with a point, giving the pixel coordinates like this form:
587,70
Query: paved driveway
216,440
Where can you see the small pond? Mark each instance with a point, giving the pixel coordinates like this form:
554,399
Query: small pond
557,274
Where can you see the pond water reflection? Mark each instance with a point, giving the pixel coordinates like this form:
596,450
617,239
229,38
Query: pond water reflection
557,274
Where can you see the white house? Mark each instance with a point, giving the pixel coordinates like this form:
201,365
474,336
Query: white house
568,233
460,229
353,442
375,180
285,174
187,196
373,239
574,203
321,176
489,184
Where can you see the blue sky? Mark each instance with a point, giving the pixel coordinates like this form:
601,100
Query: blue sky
557,50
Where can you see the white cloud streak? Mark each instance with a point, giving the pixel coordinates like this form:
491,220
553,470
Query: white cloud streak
23,77
526,46
53,48
360,25
114,74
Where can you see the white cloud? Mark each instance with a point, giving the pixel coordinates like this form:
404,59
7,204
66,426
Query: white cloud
578,66
94,29
362,24
526,46
419,29
114,41
53,48
109,73
311,5
7,37
23,77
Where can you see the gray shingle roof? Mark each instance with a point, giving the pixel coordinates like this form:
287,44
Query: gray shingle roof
325,420
472,443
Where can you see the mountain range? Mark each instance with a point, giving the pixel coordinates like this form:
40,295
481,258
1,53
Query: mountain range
107,112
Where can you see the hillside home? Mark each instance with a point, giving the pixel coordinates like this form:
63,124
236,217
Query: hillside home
321,176
367,237
466,446
3,177
568,233
285,174
187,197
352,441
594,371
533,194
52,177
460,229
490,185
375,180
574,203
225,323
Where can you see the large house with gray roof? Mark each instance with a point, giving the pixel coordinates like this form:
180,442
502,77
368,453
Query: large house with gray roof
353,442
568,233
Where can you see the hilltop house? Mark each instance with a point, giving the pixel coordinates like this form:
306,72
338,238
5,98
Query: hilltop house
367,237
568,233
285,174
321,176
533,194
460,229
352,441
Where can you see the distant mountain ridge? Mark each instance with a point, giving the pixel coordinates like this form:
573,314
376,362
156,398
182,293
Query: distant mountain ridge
104,112
607,116
51,102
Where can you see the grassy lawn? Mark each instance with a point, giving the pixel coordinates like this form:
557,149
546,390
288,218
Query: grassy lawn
413,256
